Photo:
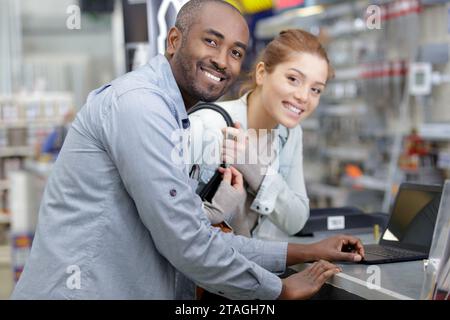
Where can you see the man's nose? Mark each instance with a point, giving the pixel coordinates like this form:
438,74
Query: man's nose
220,60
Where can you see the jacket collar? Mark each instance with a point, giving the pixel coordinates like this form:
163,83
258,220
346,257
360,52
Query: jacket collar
166,80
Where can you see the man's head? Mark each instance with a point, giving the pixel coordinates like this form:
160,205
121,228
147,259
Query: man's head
206,49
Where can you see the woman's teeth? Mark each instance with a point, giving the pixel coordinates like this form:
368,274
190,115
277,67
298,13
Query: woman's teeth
292,108
209,75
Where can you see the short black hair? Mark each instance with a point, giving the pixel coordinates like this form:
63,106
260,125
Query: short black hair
189,11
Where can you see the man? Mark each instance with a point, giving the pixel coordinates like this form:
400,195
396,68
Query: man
120,219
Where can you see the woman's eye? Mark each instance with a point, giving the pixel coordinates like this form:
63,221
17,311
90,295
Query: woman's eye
292,79
317,91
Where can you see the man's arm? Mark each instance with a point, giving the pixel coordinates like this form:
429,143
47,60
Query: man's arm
139,132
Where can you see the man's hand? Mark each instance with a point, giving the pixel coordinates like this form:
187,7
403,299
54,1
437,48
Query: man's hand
305,284
331,249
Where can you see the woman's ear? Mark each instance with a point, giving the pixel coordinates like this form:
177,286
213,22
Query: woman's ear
260,72
174,38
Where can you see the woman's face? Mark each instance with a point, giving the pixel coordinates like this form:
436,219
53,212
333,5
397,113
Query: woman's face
291,92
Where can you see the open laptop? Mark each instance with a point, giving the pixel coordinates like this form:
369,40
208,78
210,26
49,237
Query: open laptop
409,232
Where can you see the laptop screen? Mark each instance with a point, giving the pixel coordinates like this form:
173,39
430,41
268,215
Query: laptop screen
413,217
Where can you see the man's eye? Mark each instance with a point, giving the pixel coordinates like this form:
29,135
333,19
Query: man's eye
211,42
237,54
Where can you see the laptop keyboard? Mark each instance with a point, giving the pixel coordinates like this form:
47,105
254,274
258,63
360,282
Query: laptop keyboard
390,252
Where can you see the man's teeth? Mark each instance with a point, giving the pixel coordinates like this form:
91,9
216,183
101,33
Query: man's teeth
209,75
293,109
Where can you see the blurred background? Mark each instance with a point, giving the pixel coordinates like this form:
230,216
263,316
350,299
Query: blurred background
383,120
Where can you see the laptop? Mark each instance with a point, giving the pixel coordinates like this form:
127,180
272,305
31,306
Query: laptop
409,231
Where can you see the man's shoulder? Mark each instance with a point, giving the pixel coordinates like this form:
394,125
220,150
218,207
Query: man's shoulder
136,81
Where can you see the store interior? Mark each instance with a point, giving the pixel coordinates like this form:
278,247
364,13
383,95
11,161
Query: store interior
383,120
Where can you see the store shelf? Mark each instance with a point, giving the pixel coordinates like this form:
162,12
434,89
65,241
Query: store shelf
4,218
41,169
435,131
347,153
24,151
30,122
366,182
310,124
4,185
5,255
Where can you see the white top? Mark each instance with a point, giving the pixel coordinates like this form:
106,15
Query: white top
281,203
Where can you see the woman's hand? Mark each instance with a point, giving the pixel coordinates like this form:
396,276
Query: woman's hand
241,151
229,197
235,146
233,177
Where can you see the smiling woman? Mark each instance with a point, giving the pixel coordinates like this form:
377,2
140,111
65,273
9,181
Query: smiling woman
283,89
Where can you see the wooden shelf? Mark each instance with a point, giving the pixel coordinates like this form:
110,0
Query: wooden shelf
24,151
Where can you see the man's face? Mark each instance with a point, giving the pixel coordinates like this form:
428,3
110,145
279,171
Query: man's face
209,58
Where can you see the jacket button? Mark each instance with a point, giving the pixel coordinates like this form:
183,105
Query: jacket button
173,192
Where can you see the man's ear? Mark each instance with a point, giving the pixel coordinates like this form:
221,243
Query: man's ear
174,38
260,71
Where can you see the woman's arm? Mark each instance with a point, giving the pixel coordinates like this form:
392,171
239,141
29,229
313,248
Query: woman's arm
284,200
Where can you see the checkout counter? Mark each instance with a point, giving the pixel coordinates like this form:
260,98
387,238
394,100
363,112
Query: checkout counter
398,281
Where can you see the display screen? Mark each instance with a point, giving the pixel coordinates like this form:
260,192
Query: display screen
414,217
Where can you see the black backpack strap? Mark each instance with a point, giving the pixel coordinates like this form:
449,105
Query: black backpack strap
208,191
212,106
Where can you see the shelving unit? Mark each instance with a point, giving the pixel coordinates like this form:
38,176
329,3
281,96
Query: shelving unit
25,121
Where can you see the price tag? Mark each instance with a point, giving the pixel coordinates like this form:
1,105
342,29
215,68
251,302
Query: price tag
336,223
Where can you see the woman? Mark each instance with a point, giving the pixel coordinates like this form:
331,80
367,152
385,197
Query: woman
284,88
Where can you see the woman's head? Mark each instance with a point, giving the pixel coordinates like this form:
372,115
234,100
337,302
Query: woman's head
289,77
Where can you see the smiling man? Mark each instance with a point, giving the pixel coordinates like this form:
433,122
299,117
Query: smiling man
120,220
206,55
